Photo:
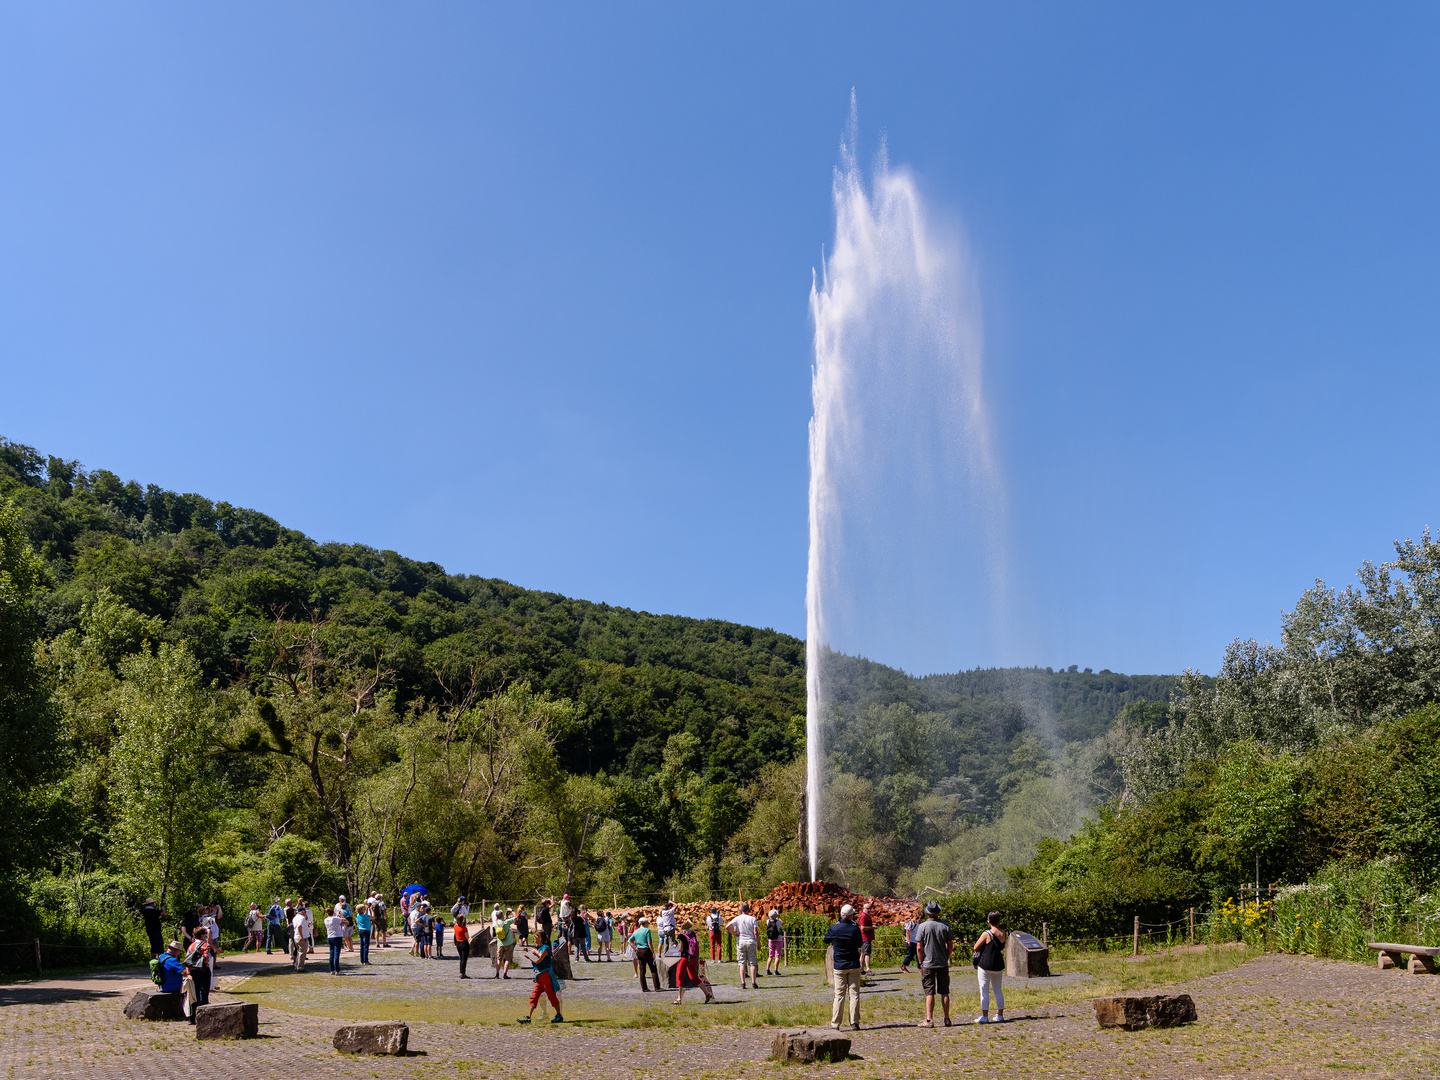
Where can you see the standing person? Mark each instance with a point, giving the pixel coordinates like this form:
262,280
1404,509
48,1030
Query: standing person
867,936
543,923
522,926
211,922
644,941
845,936
990,969
254,928
274,926
188,925
716,925
424,926
150,915
460,907
934,943
364,927
439,937
666,925
743,926
200,962
309,915
603,934
687,972
346,912
290,910
297,940
461,934
910,925
545,982
504,947
382,920
580,931
563,925
334,937
775,940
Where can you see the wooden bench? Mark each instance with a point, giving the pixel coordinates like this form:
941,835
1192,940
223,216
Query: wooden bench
1422,957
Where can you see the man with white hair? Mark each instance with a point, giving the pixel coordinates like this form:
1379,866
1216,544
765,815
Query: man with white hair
743,927
845,937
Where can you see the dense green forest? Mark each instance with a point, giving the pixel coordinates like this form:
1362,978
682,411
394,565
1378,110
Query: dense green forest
200,702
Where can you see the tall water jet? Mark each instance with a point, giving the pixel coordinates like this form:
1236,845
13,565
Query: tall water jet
906,507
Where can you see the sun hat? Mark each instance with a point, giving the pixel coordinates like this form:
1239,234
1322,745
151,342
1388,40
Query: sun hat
846,911
932,908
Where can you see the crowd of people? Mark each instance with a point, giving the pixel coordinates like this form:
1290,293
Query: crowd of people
293,927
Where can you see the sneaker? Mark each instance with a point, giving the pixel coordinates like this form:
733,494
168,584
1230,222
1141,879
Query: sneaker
557,1019
927,1023
523,1020
854,1027
982,1020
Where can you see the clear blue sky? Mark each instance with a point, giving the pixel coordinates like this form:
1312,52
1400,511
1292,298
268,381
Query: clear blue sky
522,289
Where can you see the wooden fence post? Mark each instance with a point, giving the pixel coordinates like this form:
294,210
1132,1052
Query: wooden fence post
38,968
1192,926
1045,934
1136,950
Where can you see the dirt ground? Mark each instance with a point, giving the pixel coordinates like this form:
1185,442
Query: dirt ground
1270,1016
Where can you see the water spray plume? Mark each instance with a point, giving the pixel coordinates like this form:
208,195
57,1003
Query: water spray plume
905,498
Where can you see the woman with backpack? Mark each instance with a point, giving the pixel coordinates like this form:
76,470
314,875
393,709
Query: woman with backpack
687,972
200,965
775,936
989,961
603,936
716,925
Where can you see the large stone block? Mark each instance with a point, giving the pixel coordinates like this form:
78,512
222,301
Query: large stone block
1026,956
152,1004
1151,1010
560,961
809,1046
228,1020
669,970
372,1039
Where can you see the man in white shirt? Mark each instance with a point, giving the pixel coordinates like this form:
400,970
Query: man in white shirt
665,923
743,927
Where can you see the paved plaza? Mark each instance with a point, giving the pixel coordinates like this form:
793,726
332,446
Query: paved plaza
1274,1016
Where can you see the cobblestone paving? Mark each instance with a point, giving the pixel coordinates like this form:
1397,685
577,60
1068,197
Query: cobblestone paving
1272,1017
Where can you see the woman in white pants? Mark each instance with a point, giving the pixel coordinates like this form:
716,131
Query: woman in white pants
990,969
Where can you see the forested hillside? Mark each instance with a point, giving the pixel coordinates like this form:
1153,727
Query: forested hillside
203,702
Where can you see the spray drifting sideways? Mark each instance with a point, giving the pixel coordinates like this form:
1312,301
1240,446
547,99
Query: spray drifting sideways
901,467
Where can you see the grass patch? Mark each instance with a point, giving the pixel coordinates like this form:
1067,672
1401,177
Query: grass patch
397,991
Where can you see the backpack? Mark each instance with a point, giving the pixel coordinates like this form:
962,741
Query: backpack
157,973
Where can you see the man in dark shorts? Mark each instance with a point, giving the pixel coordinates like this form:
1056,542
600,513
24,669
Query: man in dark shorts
935,943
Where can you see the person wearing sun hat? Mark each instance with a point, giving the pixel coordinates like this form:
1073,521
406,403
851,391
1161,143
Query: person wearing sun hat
934,943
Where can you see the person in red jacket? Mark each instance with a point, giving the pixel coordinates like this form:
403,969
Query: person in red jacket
867,935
